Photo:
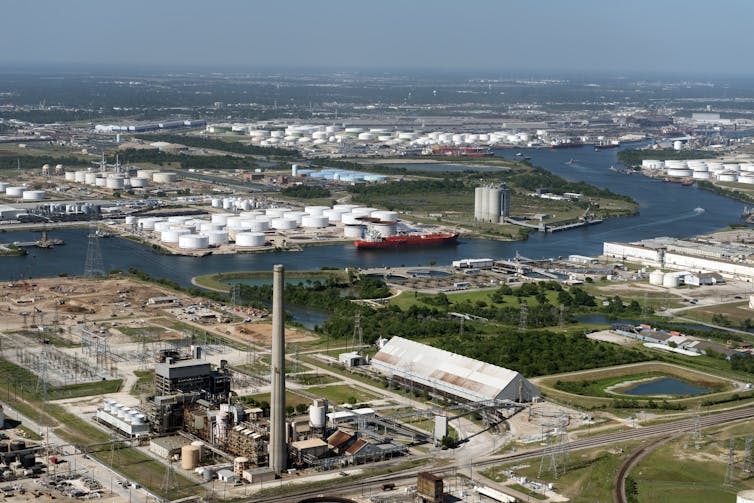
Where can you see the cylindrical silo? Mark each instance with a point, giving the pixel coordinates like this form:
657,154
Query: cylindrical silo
193,242
189,457
310,221
217,238
246,239
353,231
283,224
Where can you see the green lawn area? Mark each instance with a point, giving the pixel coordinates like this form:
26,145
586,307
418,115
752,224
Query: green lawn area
150,332
342,393
144,384
291,398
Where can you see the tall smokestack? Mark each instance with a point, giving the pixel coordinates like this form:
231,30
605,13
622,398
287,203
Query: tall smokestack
278,448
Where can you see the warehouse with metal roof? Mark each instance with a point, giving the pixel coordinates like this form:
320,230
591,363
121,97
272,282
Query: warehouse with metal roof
449,374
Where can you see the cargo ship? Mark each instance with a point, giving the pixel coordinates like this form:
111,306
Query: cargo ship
566,143
605,144
403,240
460,151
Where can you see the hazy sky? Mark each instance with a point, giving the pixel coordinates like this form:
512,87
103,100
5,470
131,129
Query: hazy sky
699,36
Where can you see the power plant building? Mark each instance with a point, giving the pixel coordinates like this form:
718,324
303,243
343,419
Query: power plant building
492,204
186,376
451,375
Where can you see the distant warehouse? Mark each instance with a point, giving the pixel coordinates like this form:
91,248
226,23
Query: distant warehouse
450,375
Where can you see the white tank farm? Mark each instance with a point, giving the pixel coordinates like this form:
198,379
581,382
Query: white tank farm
216,202
680,172
363,212
100,181
310,221
220,218
193,242
179,219
294,215
173,235
247,239
731,167
699,167
80,176
145,173
34,195
70,176
315,211
115,182
235,223
656,277
164,177
742,178
385,216
701,175
256,225
130,220
15,191
217,238
227,203
727,177
90,178
148,223
385,229
283,224
715,167
333,215
353,231
162,226
209,226
138,182
253,214
747,167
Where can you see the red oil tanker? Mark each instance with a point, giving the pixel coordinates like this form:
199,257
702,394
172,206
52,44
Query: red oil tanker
402,240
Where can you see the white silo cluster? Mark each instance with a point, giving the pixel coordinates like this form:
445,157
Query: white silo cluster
112,181
704,169
491,204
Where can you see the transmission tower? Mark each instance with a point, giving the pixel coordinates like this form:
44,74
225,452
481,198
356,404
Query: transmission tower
554,456
168,480
730,471
235,294
696,432
748,465
41,388
358,336
523,316
94,266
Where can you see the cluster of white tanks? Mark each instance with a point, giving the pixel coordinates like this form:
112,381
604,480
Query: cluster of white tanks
22,192
704,169
247,228
318,134
124,413
120,181
667,280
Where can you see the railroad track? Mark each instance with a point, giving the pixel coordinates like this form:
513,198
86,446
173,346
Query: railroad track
665,430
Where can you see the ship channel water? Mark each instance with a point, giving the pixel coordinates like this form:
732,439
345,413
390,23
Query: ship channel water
665,209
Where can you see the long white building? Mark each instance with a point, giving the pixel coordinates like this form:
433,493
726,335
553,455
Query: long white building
450,374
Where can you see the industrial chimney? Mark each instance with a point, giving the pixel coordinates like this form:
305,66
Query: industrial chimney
278,449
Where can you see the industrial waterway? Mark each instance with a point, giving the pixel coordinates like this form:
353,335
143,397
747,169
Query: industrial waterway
665,209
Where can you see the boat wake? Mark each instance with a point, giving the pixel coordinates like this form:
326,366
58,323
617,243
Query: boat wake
699,210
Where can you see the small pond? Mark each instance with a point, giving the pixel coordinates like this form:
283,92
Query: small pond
665,386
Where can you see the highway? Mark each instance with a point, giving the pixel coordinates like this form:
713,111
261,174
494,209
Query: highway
373,484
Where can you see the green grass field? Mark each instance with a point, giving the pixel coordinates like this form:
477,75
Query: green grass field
342,393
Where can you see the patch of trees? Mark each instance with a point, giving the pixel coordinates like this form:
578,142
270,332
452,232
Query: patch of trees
36,161
226,146
186,161
742,363
537,353
305,192
647,404
539,177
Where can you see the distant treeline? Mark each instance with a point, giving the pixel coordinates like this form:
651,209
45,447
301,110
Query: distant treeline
633,157
305,192
10,160
539,177
226,146
187,161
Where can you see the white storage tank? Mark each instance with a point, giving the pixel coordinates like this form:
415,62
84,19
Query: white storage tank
310,221
363,212
115,182
250,239
70,176
256,225
216,202
727,177
90,178
701,175
162,226
656,277
353,231
743,178
333,215
138,182
130,220
295,215
80,176
220,218
34,195
235,223
253,214
217,238
745,496
315,211
173,235
385,216
100,181
318,414
283,224
671,280
385,229
3,186
179,219
276,212
164,177
345,207
15,191
193,242
350,219
145,173
679,172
